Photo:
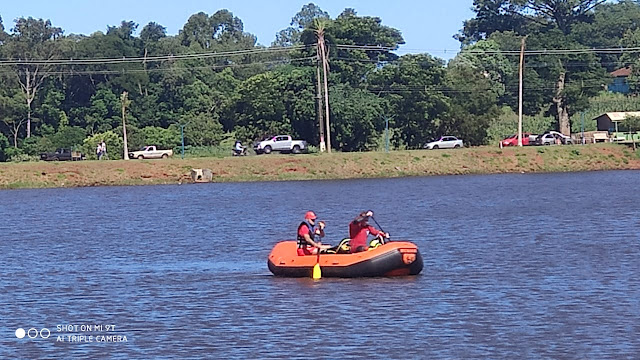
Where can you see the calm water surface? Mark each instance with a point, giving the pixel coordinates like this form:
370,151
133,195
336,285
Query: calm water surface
516,266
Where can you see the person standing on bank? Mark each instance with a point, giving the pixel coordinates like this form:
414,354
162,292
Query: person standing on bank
359,229
309,235
104,149
99,151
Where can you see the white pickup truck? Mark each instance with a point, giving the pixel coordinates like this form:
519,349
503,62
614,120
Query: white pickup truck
282,143
150,152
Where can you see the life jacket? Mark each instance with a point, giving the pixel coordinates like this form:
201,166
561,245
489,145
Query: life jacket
302,242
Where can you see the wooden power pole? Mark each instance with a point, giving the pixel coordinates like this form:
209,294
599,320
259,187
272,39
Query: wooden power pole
521,70
124,100
325,68
319,99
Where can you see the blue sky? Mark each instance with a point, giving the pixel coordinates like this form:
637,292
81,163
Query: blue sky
426,25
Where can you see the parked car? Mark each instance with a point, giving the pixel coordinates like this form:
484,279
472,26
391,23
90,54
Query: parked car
552,138
513,139
62,155
150,152
444,142
281,143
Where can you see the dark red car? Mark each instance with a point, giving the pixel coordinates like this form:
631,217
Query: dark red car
513,140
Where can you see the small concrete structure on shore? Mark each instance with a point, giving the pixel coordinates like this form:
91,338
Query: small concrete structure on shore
201,175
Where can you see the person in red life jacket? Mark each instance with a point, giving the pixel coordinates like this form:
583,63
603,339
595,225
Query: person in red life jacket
309,234
359,229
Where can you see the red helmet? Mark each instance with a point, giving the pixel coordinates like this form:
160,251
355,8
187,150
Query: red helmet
310,215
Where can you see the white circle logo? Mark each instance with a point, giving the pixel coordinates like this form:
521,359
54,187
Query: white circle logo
33,333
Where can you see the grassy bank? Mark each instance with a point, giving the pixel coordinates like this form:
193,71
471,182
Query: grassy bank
479,160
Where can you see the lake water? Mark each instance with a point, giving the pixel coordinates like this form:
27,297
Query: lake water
515,266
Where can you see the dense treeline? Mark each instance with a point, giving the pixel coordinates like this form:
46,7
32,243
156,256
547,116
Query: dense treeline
214,82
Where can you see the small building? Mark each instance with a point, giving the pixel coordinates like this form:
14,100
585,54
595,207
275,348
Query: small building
610,121
620,84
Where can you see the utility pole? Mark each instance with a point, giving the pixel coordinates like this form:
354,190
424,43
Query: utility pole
520,92
182,126
319,99
325,69
386,131
124,100
582,126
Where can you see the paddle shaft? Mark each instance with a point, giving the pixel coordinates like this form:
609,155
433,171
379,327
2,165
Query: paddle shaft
381,229
384,241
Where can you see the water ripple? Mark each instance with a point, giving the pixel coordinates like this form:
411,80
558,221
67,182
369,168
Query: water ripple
535,266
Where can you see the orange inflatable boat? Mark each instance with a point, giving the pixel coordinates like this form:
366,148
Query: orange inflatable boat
396,258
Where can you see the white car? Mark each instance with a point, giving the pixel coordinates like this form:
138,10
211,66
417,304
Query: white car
552,138
445,142
281,143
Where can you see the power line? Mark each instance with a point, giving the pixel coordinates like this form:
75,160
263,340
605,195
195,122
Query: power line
104,61
176,68
612,50
276,50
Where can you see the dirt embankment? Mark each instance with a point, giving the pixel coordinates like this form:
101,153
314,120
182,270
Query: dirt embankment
480,160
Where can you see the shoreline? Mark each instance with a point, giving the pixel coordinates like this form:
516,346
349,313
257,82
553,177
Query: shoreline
335,166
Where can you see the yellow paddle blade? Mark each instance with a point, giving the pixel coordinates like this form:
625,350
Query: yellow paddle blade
317,273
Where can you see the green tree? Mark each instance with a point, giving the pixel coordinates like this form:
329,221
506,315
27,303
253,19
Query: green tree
357,118
610,25
203,130
220,31
4,144
492,16
3,35
163,138
549,25
12,111
277,102
413,87
352,64
632,125
33,44
475,88
50,111
260,108
302,20
70,137
153,32
113,140
104,113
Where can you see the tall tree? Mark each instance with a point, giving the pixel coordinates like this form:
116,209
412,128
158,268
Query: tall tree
549,24
319,28
475,82
3,34
414,88
611,22
491,16
152,32
33,45
12,109
220,31
302,20
563,13
357,118
349,33
280,101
